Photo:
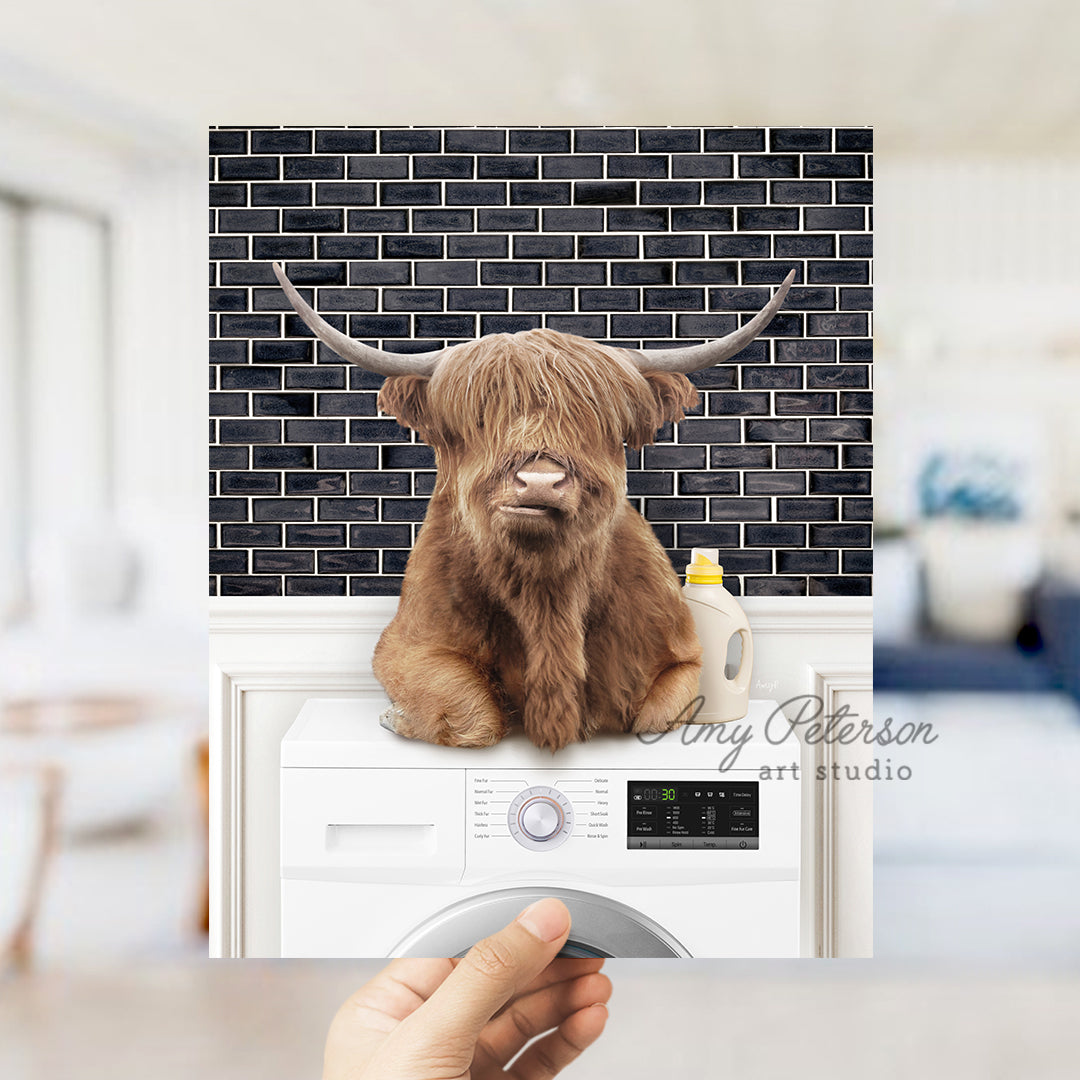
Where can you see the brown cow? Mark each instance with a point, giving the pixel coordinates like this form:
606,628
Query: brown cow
535,593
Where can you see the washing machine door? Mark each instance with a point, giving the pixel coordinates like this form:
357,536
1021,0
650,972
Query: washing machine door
599,926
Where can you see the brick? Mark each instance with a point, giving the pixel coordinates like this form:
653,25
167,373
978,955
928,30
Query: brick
771,378
836,324
704,326
228,247
608,247
228,562
282,509
709,483
247,221
251,586
858,562
856,403
669,140
412,247
805,246
345,194
854,191
805,352
348,509
641,273
707,273
314,431
476,300
703,219
834,165
374,586
349,141
250,378
775,535
848,482
806,509
514,219
378,167
637,220
248,168
605,140
639,326
840,536
855,139
806,457
776,431
738,139
314,168
282,457
379,536
543,300
590,192
445,326
228,194
807,562
836,218
350,404
670,192
279,352
573,168
412,300
250,325
410,141
840,430
253,483
542,141
740,509
479,194
465,141
510,273
380,484
800,191
648,483
477,247
857,509
838,271
856,247
521,167
312,220
851,376
674,457
539,194
590,326
681,246
733,192
637,167
510,324
857,351
800,139
702,165
739,247
856,299
250,535
408,457
609,300
228,142
348,457
347,300
348,562
674,509
674,299
709,431
442,167
283,562
348,247
752,218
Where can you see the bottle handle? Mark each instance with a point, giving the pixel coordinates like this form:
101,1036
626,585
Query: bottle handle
741,683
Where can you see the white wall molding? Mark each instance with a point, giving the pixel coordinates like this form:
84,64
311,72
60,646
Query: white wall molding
270,654
838,847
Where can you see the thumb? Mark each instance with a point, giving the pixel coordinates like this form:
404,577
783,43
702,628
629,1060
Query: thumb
491,973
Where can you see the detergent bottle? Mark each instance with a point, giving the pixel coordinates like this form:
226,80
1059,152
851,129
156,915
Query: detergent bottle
724,632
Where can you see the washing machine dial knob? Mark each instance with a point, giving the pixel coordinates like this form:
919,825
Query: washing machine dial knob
540,818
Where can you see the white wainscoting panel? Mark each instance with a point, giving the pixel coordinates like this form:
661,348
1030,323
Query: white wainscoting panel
270,654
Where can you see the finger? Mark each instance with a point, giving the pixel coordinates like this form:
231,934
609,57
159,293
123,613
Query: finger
491,973
548,1056
526,1017
398,990
561,969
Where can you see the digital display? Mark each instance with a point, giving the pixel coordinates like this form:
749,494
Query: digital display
697,814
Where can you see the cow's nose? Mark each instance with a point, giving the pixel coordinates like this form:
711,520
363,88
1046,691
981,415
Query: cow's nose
540,480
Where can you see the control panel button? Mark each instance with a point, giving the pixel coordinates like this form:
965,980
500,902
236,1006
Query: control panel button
540,818
641,843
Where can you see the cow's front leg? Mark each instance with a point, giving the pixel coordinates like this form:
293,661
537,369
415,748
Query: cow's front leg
439,695
670,700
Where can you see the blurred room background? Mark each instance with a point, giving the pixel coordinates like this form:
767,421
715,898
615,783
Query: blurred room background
103,115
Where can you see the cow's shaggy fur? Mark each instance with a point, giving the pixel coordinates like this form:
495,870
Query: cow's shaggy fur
569,623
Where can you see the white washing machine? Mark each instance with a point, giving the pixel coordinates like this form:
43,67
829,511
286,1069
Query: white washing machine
392,847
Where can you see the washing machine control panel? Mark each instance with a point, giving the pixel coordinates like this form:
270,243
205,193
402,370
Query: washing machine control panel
692,815
540,818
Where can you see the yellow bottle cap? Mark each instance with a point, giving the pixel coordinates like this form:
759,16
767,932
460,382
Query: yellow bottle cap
704,568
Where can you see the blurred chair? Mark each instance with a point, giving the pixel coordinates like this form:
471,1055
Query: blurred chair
29,803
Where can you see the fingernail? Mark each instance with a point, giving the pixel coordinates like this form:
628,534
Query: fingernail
545,919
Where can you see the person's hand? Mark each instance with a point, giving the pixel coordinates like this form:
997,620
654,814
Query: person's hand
449,1019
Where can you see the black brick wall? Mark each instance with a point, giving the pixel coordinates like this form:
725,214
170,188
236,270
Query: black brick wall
412,238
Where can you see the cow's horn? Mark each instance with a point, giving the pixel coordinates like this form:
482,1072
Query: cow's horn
382,363
696,357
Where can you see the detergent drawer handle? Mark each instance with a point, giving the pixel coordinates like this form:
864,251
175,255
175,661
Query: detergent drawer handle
381,839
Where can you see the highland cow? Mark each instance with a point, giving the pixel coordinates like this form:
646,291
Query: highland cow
535,593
